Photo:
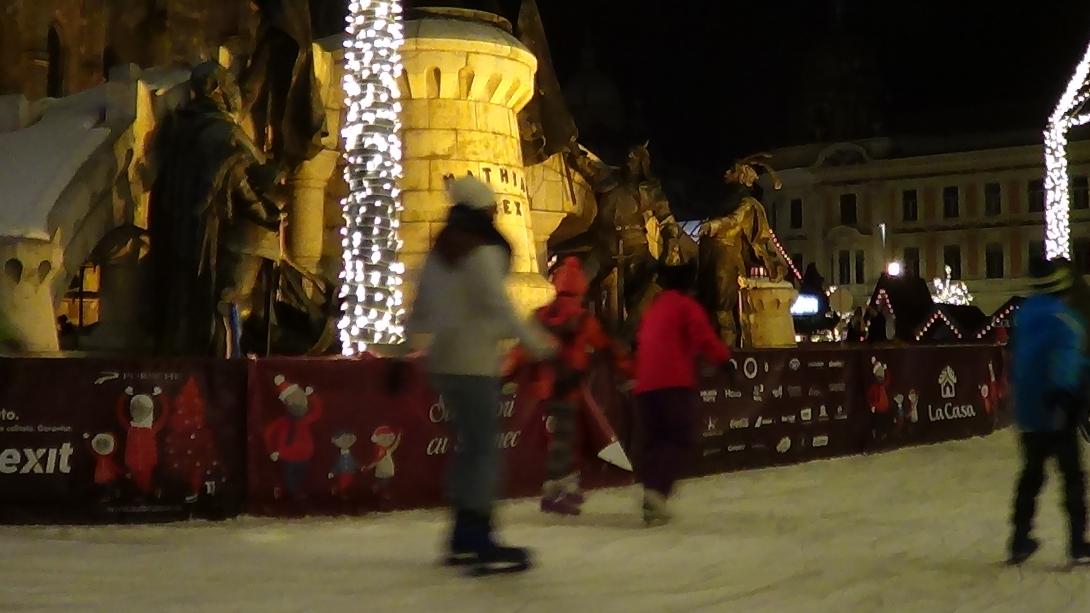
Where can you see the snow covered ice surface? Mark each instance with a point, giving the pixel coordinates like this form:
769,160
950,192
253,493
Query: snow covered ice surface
922,529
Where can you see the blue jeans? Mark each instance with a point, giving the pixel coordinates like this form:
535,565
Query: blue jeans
472,403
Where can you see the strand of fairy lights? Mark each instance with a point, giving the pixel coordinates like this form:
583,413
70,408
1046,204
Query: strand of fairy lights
996,319
1068,114
934,318
783,254
948,291
371,298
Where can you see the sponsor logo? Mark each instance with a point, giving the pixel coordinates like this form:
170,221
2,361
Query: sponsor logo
733,393
739,424
712,428
948,381
794,364
841,414
784,445
820,441
815,392
709,396
713,451
838,387
736,448
788,419
815,364
822,413
794,391
836,364
763,421
806,414
758,393
777,392
40,461
950,411
750,368
758,446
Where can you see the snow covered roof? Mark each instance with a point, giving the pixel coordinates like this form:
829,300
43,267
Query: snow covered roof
41,160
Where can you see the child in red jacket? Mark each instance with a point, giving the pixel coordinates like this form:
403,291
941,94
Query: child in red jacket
673,333
560,384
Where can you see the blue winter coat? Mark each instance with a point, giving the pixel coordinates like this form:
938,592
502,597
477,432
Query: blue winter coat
1048,357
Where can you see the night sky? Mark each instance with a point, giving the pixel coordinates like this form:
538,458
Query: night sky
717,78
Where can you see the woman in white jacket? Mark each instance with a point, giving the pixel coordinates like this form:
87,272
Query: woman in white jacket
462,304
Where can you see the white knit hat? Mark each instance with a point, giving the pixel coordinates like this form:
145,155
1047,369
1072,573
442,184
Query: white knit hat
472,192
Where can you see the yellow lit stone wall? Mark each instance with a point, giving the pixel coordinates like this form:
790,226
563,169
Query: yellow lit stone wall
463,84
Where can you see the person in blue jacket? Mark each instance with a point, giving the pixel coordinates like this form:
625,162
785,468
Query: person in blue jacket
1049,377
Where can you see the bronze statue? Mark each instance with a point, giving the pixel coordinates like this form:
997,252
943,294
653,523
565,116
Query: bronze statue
733,244
279,88
215,218
617,239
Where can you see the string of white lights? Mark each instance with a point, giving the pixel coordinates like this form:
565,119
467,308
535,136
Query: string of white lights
948,291
1064,117
371,278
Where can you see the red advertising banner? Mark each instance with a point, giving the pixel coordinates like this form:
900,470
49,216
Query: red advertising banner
327,436
780,408
932,394
120,440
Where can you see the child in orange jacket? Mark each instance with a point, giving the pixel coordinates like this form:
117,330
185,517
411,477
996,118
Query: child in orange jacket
561,385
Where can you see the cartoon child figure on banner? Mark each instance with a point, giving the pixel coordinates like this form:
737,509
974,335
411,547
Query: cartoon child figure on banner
878,399
913,406
386,442
288,438
142,428
107,470
346,467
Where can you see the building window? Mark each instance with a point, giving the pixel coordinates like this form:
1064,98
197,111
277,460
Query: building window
1036,251
796,214
951,256
910,207
860,271
54,79
993,200
1081,255
950,205
993,261
848,213
1036,195
1080,193
912,261
844,267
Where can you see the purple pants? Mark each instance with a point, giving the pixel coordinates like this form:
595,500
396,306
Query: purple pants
669,419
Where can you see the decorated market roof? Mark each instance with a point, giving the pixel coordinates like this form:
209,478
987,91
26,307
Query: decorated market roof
908,298
1003,317
951,322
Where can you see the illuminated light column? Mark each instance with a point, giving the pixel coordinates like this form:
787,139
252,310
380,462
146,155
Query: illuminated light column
372,275
1069,113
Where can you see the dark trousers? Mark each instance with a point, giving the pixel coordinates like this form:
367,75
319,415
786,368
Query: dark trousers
475,470
669,431
560,461
1037,448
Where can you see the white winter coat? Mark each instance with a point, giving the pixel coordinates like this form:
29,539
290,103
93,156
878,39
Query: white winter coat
467,313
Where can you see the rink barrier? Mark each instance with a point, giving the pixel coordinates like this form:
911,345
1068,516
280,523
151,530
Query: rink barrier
222,440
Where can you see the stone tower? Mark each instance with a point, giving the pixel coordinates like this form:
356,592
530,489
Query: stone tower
466,78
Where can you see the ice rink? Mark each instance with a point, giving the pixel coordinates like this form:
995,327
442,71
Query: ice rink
922,529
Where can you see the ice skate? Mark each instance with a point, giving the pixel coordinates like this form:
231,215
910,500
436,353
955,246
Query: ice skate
1080,554
1021,550
561,504
472,546
655,512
